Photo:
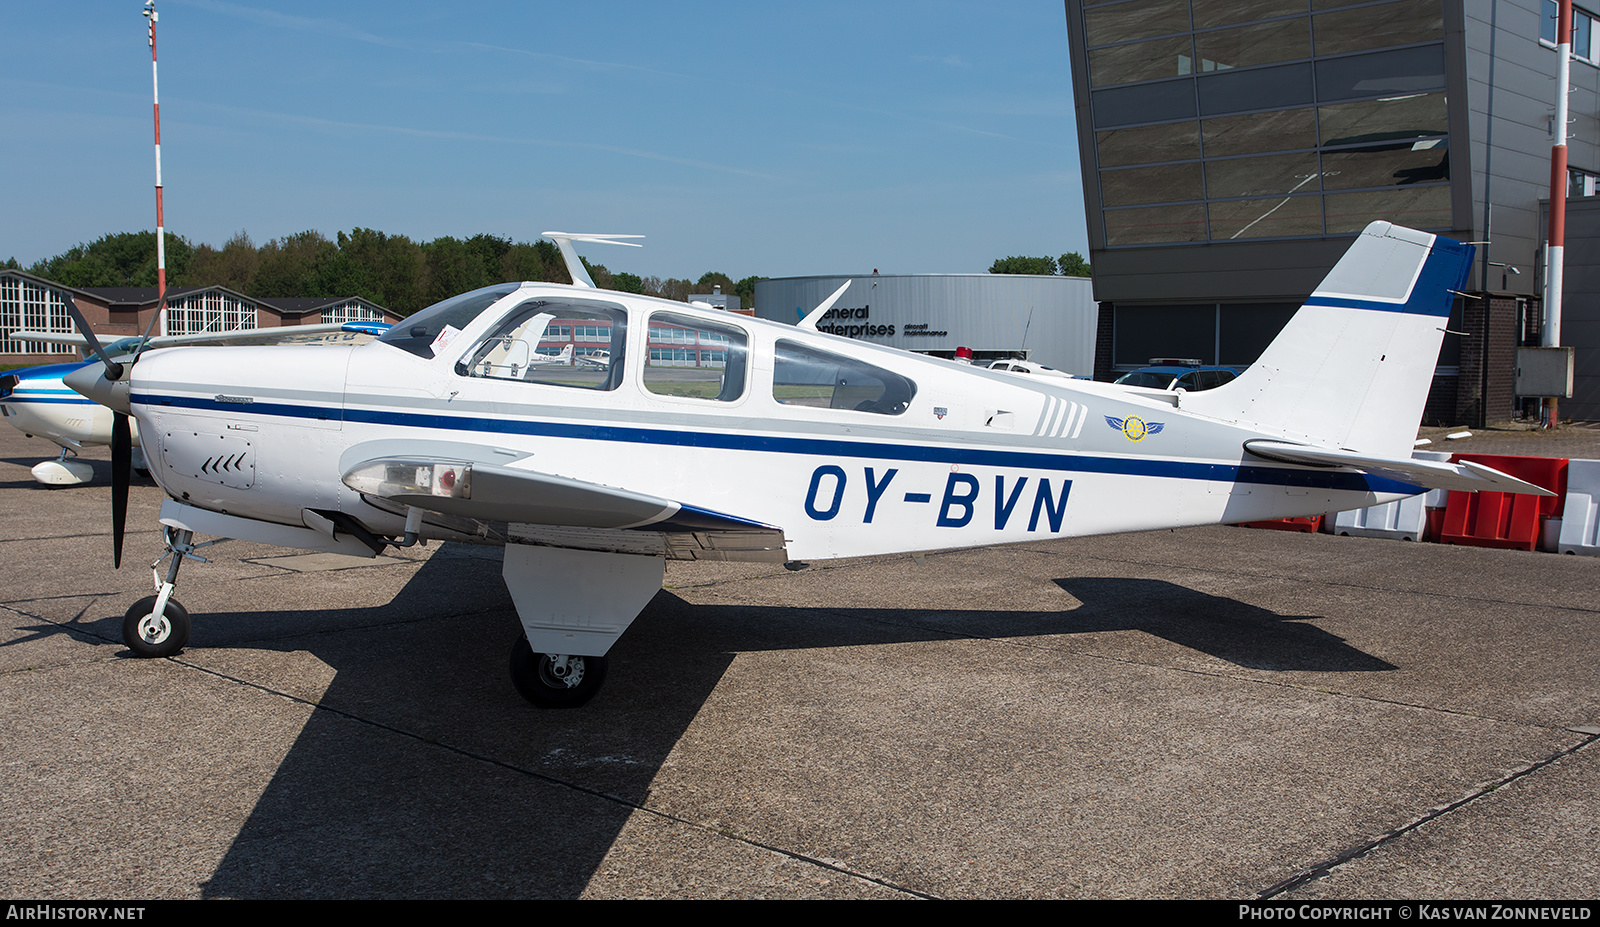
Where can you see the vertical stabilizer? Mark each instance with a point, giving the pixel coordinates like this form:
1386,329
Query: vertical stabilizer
1353,367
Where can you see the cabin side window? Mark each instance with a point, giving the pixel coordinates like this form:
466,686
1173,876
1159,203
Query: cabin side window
804,376
693,358
554,343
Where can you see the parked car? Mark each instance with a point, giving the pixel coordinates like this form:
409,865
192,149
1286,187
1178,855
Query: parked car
1173,377
1015,365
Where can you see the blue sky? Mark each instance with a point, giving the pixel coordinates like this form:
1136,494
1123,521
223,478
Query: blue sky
749,138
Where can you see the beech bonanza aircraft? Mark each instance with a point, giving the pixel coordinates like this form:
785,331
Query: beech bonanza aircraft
36,402
783,444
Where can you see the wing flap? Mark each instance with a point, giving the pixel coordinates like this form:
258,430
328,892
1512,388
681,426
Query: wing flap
1465,476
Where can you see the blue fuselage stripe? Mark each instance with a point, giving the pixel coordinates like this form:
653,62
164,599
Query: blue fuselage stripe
47,400
815,447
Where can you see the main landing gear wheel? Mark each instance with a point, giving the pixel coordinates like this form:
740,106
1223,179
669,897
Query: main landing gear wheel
150,635
553,681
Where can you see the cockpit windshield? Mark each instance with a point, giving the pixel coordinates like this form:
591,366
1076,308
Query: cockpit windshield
417,333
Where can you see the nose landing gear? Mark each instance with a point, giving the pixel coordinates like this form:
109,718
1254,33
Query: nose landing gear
157,625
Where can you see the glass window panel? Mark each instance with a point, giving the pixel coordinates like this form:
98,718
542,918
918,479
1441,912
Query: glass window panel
1403,71
1415,207
1264,88
1209,13
804,376
1404,117
1175,141
1386,165
1281,174
1144,332
1246,329
690,373
1138,19
1275,217
417,333
1265,43
1155,225
524,348
1165,184
1582,30
1404,23
1173,99
1121,64
1547,22
1259,132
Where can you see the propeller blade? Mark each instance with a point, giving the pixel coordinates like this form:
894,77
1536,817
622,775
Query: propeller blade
113,369
121,475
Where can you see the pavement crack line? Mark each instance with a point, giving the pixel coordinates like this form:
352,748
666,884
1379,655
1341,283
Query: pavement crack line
558,782
1325,868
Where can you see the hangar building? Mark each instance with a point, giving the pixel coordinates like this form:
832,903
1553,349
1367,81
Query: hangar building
1232,149
1049,320
34,304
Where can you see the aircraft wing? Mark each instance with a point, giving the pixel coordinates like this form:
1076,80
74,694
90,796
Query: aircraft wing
1465,476
559,511
241,336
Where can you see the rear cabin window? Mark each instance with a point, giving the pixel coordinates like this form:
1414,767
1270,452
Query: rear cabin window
554,343
804,376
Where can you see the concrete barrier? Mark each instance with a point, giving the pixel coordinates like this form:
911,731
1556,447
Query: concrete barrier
1402,520
1580,520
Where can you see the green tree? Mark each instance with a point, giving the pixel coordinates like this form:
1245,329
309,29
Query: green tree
1042,266
746,290
1073,265
295,266
627,283
713,278
119,259
454,267
234,266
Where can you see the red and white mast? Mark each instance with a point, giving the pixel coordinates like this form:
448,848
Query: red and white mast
1555,247
161,231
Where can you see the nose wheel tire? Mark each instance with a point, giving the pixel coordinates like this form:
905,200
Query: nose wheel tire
549,681
150,635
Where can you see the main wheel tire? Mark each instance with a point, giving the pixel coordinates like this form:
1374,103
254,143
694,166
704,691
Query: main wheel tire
533,675
150,636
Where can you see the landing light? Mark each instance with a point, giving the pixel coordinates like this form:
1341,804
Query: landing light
412,477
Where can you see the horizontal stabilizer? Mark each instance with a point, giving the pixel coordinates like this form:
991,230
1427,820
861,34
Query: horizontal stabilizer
1465,476
575,269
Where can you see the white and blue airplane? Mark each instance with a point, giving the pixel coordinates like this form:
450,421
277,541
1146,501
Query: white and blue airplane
36,402
795,445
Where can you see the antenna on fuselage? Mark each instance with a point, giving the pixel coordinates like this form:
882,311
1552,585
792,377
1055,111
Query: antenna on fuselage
579,273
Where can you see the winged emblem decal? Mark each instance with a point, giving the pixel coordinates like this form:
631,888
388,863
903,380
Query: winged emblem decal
1135,428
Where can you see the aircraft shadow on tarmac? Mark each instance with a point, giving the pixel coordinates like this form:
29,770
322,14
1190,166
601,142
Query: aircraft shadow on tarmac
426,776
